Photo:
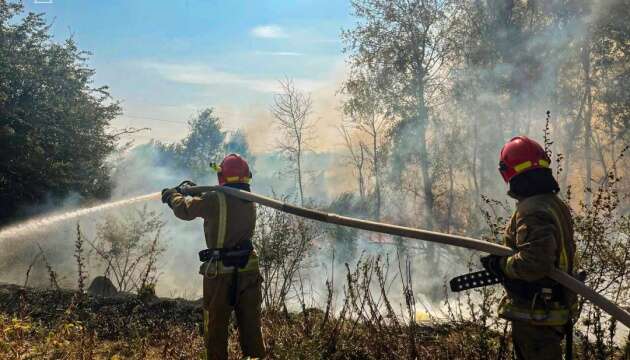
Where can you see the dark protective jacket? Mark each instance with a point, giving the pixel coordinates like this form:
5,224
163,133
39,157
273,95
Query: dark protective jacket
541,233
228,222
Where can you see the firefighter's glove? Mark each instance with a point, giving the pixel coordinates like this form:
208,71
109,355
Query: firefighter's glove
167,194
493,264
183,185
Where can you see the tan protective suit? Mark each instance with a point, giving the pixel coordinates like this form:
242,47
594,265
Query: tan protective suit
228,222
541,232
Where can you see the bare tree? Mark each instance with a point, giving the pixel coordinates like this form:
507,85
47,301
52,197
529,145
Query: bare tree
356,156
368,118
291,110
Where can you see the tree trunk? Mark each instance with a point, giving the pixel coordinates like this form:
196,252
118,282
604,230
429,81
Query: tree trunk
377,180
473,166
299,173
360,173
569,143
425,163
451,198
588,131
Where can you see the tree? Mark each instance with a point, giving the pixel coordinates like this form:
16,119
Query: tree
54,135
356,156
291,110
404,47
203,144
237,143
369,120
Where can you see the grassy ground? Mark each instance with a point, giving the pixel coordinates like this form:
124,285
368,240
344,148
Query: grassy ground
60,324
38,323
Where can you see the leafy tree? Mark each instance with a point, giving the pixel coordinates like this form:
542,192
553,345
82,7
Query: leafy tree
53,123
402,47
203,144
237,143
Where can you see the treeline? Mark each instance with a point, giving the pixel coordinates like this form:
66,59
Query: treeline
53,121
205,142
55,134
436,87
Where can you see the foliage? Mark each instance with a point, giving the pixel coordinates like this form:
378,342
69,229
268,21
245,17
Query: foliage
603,243
366,326
601,232
129,248
53,123
282,243
366,120
237,143
203,144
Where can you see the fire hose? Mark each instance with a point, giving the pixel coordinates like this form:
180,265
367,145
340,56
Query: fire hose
562,278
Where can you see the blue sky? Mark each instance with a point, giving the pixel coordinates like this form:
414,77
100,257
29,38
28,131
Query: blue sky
166,59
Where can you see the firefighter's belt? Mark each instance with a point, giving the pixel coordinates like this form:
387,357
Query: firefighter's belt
529,290
235,258
473,280
232,257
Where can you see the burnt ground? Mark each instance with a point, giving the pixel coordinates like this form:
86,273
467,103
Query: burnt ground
111,318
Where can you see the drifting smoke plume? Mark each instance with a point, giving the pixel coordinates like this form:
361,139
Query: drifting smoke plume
490,101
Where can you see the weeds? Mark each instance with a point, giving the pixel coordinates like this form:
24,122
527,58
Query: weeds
129,249
80,259
52,274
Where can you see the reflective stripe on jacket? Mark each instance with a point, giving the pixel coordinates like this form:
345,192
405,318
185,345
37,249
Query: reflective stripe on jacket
227,222
541,233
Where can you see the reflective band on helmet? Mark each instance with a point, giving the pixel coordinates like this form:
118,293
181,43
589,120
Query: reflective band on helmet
522,166
239,179
527,164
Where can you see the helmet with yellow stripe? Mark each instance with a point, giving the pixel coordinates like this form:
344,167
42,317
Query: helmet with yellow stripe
519,155
233,170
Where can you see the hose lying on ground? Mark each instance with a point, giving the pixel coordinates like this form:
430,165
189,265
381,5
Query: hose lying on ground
461,241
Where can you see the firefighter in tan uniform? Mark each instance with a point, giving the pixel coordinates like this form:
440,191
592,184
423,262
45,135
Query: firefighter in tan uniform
541,233
231,279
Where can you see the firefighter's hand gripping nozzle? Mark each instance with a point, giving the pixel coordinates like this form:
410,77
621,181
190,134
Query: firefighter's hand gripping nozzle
167,194
184,185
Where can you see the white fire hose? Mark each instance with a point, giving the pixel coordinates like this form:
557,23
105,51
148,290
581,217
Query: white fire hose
461,241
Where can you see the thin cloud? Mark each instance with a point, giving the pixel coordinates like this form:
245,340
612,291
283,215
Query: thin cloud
279,53
198,74
269,32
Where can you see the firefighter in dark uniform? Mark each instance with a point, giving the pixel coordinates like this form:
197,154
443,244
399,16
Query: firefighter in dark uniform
231,278
541,234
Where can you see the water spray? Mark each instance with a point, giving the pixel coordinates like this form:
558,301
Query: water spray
39,224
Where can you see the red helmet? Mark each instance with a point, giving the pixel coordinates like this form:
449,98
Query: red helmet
519,155
233,169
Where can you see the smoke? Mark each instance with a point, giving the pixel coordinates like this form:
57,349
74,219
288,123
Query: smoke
467,130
